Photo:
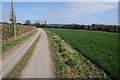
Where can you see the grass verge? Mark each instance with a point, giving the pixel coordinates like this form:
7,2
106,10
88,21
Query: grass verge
22,63
7,45
69,63
101,48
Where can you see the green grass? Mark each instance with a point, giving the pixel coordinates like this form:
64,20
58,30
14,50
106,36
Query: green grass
15,73
70,63
100,47
7,45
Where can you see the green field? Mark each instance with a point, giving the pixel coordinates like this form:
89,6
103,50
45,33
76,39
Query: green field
100,47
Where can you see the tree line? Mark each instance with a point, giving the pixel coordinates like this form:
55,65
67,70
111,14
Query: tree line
99,27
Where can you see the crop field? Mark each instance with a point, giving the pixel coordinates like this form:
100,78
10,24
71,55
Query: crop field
70,63
100,47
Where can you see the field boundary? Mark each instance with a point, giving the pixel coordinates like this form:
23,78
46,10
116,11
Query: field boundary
52,54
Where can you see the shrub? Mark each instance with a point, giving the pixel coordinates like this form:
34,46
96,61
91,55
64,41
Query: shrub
7,31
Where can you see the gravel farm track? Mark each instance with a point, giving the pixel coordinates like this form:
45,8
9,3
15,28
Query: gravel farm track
39,65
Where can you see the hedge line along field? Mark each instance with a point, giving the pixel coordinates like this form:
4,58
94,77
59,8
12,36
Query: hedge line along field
100,47
7,31
23,33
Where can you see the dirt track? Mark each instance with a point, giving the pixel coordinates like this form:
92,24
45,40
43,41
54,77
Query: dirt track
40,64
14,55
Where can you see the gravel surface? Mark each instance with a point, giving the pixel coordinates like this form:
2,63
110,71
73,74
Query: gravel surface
13,56
40,64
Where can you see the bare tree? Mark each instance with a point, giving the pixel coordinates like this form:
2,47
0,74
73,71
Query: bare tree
13,19
45,23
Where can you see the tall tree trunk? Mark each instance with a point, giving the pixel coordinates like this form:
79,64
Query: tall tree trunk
13,19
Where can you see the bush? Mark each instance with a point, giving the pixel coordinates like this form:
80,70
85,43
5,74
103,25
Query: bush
7,31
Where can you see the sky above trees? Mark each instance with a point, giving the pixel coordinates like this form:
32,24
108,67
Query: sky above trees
64,12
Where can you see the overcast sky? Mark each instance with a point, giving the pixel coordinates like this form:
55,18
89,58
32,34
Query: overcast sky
64,12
